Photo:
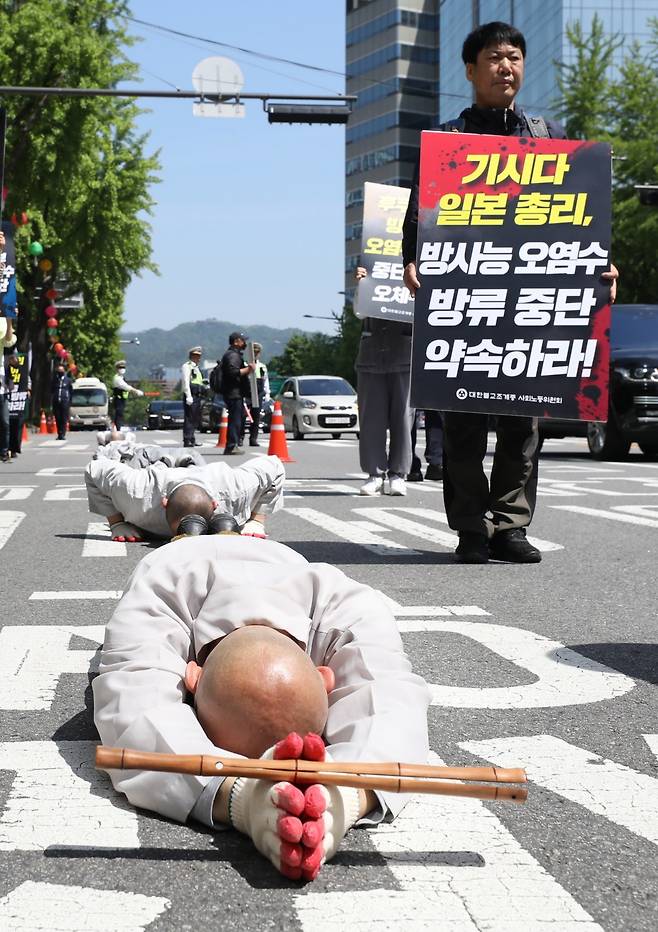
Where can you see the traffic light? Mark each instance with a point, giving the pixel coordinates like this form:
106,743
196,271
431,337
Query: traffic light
306,113
648,194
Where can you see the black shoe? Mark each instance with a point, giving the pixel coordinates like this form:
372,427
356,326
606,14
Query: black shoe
254,443
513,547
5,457
472,548
415,476
434,471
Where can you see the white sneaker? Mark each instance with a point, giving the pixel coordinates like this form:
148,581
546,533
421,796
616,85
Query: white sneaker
397,486
373,486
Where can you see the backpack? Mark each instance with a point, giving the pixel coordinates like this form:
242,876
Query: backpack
215,379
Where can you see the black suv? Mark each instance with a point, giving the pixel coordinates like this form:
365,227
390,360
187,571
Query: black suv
633,405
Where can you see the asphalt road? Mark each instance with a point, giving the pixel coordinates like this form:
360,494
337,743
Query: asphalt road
551,666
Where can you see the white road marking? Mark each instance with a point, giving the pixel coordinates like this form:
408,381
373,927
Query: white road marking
620,794
35,907
9,521
77,595
58,798
392,519
610,515
34,657
544,545
459,869
563,676
652,741
349,532
15,493
63,445
66,493
314,485
646,511
93,547
433,611
610,493
61,471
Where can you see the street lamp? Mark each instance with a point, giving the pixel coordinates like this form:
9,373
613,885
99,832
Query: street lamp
134,340
320,316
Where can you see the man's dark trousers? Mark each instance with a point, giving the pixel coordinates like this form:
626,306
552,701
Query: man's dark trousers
4,424
512,493
235,416
191,416
61,412
119,408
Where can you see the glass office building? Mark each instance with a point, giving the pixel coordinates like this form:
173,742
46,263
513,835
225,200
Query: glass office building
543,23
392,64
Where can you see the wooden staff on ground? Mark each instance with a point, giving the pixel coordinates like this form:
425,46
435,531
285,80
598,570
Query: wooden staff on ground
390,777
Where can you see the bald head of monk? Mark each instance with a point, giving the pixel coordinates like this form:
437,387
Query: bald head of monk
187,499
255,687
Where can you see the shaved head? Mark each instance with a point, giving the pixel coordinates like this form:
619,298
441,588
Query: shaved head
188,499
257,686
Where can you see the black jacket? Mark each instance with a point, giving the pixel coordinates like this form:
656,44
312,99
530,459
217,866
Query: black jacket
61,389
232,381
494,122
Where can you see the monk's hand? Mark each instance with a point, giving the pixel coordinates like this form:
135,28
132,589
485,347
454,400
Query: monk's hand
329,811
124,532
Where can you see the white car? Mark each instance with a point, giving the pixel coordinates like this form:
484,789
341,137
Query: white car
319,404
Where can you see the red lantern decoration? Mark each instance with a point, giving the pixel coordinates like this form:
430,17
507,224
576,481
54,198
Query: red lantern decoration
73,370
58,348
51,310
51,294
14,219
24,218
51,322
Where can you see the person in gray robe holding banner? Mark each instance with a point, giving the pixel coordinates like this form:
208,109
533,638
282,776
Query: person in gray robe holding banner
490,517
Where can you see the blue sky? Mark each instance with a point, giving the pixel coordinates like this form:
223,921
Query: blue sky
249,221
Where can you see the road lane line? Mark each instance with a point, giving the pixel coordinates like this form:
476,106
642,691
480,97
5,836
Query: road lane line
75,595
33,658
9,521
458,869
610,515
544,545
602,786
350,532
15,493
34,906
106,547
561,676
391,519
58,798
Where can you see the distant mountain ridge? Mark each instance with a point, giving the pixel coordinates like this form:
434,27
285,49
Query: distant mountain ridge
169,348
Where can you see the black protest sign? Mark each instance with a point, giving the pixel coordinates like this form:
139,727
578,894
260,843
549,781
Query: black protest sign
16,371
512,316
382,293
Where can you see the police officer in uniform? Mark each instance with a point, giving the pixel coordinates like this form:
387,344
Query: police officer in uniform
263,389
192,386
120,391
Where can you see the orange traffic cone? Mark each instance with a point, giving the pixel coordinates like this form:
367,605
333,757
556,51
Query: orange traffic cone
222,436
25,436
52,425
43,424
278,446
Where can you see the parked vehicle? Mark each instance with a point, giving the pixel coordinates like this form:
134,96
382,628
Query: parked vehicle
319,404
633,405
89,405
164,415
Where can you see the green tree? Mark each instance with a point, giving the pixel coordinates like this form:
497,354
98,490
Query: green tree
80,171
320,354
585,89
623,111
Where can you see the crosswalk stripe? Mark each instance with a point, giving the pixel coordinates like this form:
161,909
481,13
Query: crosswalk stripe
9,521
349,532
39,905
610,515
392,519
75,595
106,547
15,493
603,787
544,545
456,867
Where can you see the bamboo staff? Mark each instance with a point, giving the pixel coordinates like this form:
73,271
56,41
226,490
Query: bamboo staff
391,777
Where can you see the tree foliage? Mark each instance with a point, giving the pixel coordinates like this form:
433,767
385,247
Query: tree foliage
320,354
80,171
624,111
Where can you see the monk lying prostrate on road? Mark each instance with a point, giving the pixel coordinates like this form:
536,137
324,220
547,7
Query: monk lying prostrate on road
226,645
135,500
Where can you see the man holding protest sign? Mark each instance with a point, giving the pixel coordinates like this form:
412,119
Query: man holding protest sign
476,200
